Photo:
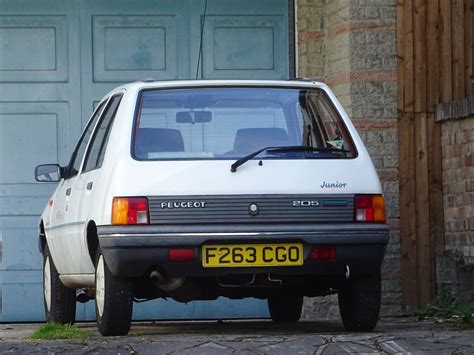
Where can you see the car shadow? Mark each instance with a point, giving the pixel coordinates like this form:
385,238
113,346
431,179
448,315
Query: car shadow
234,327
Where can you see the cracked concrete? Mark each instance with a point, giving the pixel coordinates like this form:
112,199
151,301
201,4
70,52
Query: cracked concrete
392,336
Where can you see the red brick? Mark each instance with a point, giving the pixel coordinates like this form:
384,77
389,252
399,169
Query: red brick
310,36
361,26
468,161
458,149
338,29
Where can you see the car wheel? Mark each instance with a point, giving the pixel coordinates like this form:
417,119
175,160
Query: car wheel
359,303
59,300
285,308
113,300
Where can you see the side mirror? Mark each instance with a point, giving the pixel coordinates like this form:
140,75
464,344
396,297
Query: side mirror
193,117
48,173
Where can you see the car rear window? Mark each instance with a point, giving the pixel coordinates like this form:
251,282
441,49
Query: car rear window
228,123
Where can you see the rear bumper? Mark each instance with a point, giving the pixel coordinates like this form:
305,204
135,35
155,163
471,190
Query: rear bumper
133,251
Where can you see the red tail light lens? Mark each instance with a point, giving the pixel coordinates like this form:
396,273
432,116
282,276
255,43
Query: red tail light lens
130,210
180,255
323,253
369,208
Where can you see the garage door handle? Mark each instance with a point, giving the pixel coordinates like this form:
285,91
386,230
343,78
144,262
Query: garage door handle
89,185
68,192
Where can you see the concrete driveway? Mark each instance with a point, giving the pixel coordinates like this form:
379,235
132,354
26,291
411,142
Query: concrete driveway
398,335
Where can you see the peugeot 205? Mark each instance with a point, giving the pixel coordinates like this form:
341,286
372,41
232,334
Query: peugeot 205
193,190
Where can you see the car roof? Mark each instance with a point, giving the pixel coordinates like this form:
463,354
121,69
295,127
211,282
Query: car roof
158,84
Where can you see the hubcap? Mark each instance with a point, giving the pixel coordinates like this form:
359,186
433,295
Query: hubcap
100,285
47,284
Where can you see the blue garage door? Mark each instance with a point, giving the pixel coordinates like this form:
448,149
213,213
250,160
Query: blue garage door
58,58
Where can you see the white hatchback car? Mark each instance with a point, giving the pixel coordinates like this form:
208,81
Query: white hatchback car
199,189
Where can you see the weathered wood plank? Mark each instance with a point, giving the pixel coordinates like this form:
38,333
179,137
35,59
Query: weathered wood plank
408,240
468,48
400,56
446,50
459,81
408,67
419,50
424,255
432,55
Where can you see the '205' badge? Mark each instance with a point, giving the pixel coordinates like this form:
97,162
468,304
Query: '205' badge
305,203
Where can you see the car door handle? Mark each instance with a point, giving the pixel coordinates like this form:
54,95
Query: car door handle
89,185
68,192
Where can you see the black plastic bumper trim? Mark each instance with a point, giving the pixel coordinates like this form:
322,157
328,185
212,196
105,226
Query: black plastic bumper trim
132,251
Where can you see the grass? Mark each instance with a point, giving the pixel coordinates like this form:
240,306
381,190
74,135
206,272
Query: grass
449,309
51,331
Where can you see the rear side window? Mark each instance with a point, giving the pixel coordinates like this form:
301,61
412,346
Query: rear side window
95,155
76,159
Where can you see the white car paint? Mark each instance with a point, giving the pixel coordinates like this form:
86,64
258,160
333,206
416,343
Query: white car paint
121,175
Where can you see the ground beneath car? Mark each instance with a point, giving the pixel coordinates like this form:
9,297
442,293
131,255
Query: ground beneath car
394,335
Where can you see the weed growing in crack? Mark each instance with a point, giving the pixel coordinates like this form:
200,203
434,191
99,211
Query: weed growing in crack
51,331
448,308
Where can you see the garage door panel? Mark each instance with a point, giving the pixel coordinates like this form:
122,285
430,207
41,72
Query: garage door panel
31,134
131,47
34,49
19,256
16,148
21,296
244,47
243,39
22,205
40,109
23,200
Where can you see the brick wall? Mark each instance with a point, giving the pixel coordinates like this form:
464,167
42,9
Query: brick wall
454,267
457,139
351,45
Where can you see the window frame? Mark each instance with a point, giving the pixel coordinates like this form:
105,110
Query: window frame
96,130
98,110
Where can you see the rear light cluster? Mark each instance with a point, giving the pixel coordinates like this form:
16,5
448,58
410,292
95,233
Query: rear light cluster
369,208
130,210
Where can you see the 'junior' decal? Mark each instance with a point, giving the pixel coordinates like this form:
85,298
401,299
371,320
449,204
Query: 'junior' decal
333,185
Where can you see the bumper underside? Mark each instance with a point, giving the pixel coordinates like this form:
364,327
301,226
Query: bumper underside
134,251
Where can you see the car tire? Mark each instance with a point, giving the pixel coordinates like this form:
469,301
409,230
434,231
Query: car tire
359,303
285,309
59,300
113,300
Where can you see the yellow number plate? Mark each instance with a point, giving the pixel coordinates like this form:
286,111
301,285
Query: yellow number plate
252,255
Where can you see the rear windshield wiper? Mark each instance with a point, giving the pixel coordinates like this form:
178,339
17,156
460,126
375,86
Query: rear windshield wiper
292,148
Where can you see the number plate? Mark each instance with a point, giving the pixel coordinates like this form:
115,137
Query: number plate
252,255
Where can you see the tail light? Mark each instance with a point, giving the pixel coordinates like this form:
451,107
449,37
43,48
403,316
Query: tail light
369,208
323,253
130,210
178,255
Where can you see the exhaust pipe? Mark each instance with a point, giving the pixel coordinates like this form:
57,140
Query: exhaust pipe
165,284
156,277
83,297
